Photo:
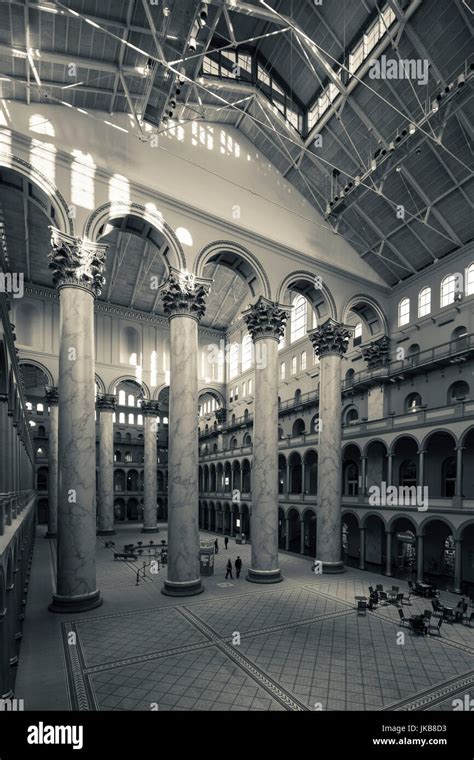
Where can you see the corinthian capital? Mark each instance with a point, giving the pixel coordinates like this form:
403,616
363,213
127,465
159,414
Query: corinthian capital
52,396
183,293
266,319
107,402
150,408
377,353
330,338
78,262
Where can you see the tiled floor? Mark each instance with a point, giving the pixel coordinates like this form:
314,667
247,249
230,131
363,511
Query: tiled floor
298,645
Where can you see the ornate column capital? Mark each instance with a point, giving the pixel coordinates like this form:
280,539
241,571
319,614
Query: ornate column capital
185,294
52,396
77,262
377,353
150,408
106,402
330,338
221,415
266,319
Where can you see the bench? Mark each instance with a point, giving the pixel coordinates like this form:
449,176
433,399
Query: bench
124,555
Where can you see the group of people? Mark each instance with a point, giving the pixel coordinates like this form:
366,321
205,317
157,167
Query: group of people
237,563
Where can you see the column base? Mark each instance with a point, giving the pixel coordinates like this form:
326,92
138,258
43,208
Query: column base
334,567
110,532
151,530
264,576
189,588
51,535
72,604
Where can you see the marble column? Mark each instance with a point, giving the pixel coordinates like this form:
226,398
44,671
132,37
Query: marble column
184,299
363,484
302,537
150,411
287,534
389,469
106,407
265,322
361,548
77,267
330,344
388,552
459,473
421,468
4,423
458,566
52,402
419,558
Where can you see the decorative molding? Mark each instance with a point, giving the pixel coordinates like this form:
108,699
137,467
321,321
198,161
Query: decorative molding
232,247
76,262
266,319
184,293
330,338
221,416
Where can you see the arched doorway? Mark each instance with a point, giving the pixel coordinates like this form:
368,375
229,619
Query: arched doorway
294,531
309,533
404,548
281,528
350,539
439,554
374,549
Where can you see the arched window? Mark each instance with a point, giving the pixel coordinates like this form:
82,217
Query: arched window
448,477
122,398
233,442
297,396
352,416
128,456
407,473
117,456
358,334
350,377
303,361
282,371
29,406
247,439
412,402
459,339
458,391
449,288
42,431
122,418
298,318
39,408
351,479
470,280
298,427
139,419
404,312
424,302
294,366
246,353
40,452
131,419
131,399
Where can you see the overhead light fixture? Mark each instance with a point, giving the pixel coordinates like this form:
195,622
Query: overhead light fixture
357,181
203,13
412,129
373,165
435,106
461,80
398,169
166,10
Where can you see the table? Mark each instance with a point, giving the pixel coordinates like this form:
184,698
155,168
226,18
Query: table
424,588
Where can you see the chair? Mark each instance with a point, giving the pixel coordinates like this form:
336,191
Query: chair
379,587
361,607
403,620
396,588
417,626
427,614
399,600
371,589
406,599
410,586
469,620
437,609
448,616
383,597
436,628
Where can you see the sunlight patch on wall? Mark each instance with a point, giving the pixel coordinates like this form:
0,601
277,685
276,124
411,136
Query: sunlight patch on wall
184,236
119,194
41,125
43,158
82,180
155,216
154,369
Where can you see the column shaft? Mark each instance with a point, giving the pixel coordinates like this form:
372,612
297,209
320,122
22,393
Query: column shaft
419,558
105,525
458,567
150,410
361,548
388,552
52,400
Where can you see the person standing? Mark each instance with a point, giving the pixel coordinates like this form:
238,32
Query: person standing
238,566
216,546
226,541
229,570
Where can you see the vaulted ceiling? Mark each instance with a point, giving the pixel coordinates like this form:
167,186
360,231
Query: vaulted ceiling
400,194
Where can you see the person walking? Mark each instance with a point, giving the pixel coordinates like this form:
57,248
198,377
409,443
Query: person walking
238,566
216,546
229,570
226,541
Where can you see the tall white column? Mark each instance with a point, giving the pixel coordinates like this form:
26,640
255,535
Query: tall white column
184,303
265,322
330,344
77,272
150,410
106,407
52,402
